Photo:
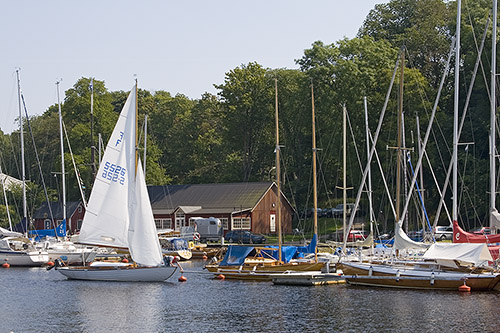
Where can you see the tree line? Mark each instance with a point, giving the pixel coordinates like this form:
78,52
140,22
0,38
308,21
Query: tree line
230,136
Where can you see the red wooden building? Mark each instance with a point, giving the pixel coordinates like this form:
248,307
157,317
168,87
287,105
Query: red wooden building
75,211
247,206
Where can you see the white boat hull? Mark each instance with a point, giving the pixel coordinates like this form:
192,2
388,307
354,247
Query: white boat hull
22,258
118,273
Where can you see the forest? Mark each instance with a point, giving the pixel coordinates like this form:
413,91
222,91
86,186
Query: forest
230,136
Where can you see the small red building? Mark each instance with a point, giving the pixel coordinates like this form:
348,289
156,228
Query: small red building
75,211
246,206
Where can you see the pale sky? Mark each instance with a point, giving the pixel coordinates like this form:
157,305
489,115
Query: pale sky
178,46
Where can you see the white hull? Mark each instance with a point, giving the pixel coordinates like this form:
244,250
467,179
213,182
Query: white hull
132,274
22,258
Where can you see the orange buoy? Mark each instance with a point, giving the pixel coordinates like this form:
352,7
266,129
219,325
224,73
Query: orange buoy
221,277
125,260
205,257
50,264
182,278
6,265
464,288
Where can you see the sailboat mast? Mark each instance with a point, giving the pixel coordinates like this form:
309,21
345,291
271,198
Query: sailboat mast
344,173
493,111
21,134
455,116
399,148
145,141
136,126
278,183
370,201
92,146
315,182
63,174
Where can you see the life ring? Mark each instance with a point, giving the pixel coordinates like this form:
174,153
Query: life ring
196,236
191,245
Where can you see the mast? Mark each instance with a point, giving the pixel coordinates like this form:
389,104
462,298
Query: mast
370,201
92,146
315,182
493,113
277,150
145,141
344,165
23,169
399,148
455,117
420,151
136,126
63,175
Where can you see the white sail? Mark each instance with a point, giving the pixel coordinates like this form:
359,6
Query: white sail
106,220
144,245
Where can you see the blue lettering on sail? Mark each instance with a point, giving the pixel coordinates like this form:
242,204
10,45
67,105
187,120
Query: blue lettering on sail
119,140
114,173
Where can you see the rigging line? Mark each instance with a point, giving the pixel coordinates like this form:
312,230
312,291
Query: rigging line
77,172
377,133
462,120
38,160
419,194
464,194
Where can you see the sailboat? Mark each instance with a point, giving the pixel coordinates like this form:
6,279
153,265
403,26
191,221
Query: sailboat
268,261
119,213
459,235
444,266
17,249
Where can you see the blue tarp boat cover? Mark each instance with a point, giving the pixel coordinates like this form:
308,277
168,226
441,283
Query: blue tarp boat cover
60,231
236,255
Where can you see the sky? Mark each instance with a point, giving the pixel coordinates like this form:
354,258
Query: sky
183,47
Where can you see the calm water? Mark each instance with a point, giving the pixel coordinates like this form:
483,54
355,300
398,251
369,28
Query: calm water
37,300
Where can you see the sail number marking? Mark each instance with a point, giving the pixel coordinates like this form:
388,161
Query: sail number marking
114,172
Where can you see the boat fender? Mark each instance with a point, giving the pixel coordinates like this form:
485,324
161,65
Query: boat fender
182,278
464,288
5,265
221,277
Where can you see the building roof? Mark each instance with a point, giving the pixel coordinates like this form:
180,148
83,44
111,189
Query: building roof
43,212
228,197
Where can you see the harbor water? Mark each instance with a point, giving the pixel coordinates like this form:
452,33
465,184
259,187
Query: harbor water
37,300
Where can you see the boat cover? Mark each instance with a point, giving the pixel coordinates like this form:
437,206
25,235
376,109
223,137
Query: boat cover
235,255
7,233
403,242
465,252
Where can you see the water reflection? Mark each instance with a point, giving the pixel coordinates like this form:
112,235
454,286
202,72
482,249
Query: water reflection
36,300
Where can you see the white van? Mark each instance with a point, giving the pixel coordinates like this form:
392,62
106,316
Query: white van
210,229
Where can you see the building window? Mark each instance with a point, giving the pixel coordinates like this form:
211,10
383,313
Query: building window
163,223
79,224
243,223
225,223
79,208
47,224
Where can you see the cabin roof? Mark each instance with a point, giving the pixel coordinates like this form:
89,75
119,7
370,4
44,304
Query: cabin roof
227,197
43,212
